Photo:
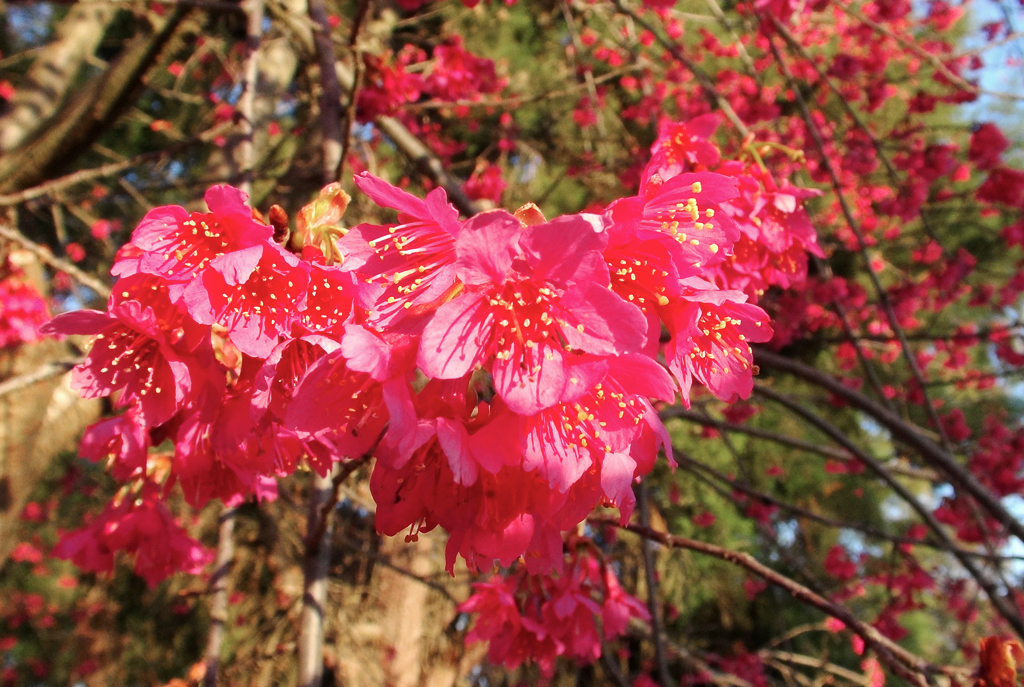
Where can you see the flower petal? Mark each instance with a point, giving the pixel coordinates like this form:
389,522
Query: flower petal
599,321
455,338
486,246
533,380
454,442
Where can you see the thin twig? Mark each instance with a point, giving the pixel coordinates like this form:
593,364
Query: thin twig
53,261
246,101
1009,614
827,451
703,78
357,81
883,296
906,665
107,170
902,431
40,374
651,575
685,460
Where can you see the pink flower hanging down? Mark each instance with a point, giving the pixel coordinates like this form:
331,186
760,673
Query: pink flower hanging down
532,296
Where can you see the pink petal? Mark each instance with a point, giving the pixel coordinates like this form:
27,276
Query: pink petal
617,483
224,199
384,194
84,322
486,246
152,230
236,267
366,352
496,444
599,321
554,250
456,337
454,442
533,380
551,454
643,376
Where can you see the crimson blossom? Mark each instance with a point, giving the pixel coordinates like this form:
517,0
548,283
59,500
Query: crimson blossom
504,370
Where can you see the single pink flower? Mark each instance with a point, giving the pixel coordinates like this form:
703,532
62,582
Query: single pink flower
533,296
178,245
129,354
407,265
711,335
254,293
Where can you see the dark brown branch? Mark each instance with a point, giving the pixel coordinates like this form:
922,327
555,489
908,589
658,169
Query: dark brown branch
909,435
995,596
651,576
827,451
707,84
90,112
906,665
53,261
686,460
91,174
330,92
880,291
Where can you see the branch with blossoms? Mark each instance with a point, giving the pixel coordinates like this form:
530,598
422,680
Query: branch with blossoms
538,340
911,668
500,374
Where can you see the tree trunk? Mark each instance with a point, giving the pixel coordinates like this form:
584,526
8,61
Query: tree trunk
53,73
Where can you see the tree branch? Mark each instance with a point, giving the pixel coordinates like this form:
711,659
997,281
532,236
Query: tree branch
929,451
50,259
219,592
998,600
906,665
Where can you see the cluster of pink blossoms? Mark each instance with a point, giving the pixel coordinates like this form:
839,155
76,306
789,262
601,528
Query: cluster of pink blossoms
502,369
526,618
22,309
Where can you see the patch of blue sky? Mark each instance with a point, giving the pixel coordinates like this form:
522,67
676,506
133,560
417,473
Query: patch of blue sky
1002,70
30,24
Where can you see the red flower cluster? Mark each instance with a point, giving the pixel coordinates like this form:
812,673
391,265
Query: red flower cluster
22,309
143,527
541,618
537,340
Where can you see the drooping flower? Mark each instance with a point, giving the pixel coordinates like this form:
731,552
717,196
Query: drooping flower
122,440
533,295
526,617
141,527
130,354
408,265
177,245
711,335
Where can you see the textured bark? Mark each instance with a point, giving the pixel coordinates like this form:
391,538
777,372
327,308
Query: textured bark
89,114
53,73
398,630
406,619
277,63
